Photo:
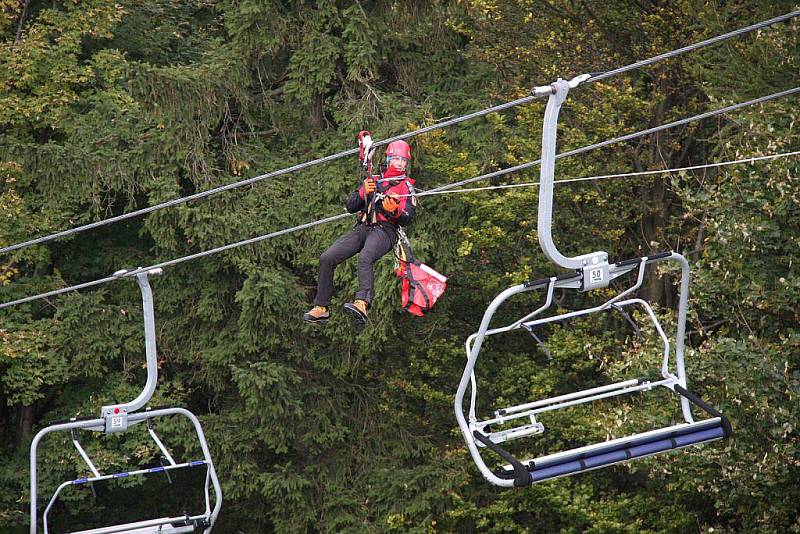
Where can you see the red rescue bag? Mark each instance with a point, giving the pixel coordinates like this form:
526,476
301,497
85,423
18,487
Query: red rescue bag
420,286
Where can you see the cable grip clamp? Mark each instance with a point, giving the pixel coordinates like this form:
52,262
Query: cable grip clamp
543,90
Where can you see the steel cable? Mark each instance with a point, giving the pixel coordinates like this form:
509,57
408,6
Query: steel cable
443,124
441,188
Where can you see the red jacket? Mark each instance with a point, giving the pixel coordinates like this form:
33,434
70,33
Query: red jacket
371,207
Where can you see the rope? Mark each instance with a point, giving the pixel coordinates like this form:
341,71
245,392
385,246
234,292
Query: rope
441,188
606,176
332,157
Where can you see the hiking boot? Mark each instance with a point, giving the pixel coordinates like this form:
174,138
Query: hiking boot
317,314
358,309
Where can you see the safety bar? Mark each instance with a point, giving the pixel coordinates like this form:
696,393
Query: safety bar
549,405
475,343
152,526
89,480
571,396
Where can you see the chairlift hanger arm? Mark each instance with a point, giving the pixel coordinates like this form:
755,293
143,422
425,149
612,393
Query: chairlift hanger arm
598,259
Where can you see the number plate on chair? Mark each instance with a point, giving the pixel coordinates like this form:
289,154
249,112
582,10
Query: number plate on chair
595,275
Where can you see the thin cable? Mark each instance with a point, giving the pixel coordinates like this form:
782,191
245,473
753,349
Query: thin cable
249,181
58,292
239,244
628,137
441,188
332,157
606,176
701,44
134,272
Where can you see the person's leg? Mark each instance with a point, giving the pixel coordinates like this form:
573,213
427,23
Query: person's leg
344,247
380,240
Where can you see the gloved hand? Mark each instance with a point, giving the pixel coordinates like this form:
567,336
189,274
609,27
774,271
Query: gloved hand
390,204
370,186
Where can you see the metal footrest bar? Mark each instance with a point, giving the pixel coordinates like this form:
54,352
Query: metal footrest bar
562,401
164,525
619,387
643,386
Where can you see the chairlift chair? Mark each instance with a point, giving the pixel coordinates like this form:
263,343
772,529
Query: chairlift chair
587,272
119,418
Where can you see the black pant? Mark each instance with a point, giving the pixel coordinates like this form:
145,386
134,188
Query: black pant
370,242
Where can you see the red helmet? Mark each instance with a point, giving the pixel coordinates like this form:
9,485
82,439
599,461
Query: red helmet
398,148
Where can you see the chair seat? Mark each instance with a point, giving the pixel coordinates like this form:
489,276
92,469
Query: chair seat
621,450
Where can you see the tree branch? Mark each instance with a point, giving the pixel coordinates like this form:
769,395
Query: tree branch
21,22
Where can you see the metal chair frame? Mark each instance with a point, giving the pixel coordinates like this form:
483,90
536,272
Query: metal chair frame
118,418
588,271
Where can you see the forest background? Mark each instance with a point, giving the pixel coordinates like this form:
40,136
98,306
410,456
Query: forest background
110,106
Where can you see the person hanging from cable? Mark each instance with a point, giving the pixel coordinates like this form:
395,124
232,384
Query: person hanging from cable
383,205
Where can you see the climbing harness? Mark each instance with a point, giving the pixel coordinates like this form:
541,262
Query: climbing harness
119,418
587,272
420,285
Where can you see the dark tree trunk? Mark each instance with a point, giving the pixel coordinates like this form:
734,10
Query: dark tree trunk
656,198
316,115
24,425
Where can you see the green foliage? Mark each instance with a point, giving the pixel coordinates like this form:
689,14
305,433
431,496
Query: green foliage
109,106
